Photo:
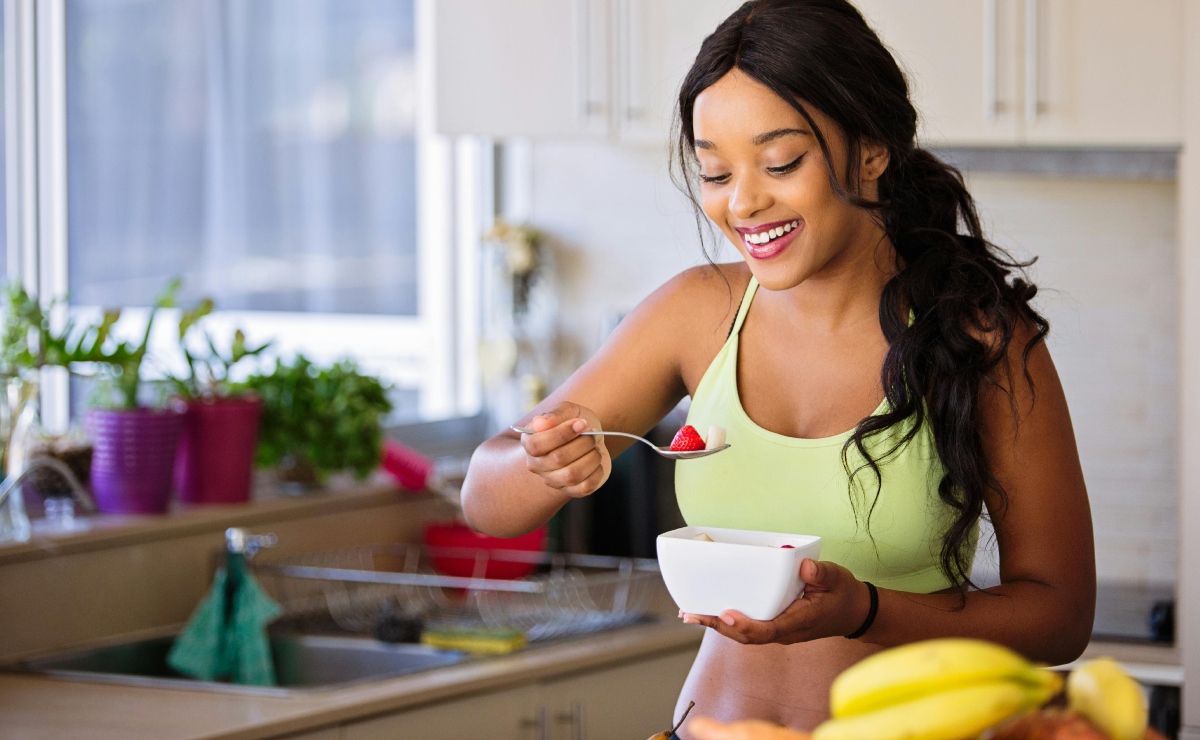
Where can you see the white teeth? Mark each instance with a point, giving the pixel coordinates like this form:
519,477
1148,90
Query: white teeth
762,237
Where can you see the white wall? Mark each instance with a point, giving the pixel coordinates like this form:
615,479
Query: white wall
1108,271
620,227
1107,267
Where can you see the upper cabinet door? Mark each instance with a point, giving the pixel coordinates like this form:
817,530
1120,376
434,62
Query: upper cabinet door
657,41
523,67
962,73
1103,72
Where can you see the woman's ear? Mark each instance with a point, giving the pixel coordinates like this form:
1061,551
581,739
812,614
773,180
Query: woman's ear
874,161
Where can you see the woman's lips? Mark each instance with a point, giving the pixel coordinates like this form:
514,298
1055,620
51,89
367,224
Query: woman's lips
774,247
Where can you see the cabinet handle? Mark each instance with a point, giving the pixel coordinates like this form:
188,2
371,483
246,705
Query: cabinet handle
585,106
628,31
538,724
1031,60
990,104
576,719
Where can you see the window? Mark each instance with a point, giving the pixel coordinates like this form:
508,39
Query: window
274,154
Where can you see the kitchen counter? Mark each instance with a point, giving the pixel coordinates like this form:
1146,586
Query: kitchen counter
270,505
33,707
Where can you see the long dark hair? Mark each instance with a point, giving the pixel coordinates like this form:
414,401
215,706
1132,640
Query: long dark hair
967,297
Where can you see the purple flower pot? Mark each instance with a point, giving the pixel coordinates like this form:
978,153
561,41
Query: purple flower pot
134,458
216,451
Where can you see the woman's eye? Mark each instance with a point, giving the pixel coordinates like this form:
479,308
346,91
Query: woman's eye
787,167
714,179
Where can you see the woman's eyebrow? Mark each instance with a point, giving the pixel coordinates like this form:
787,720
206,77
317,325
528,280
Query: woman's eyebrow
779,133
760,139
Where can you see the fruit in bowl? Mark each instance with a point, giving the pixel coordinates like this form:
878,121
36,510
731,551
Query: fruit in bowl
744,570
500,564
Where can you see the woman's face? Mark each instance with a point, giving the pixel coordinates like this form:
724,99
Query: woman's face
765,183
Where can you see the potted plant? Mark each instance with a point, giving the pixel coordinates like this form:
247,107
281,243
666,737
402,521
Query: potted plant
28,344
319,420
135,445
215,461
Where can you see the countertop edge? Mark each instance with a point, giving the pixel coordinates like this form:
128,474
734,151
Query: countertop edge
122,531
551,662
311,711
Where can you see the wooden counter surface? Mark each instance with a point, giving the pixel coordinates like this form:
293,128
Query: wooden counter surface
38,708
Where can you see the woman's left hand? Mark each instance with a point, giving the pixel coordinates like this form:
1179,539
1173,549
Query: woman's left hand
834,604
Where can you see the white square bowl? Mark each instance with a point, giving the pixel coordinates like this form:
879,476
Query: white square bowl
740,569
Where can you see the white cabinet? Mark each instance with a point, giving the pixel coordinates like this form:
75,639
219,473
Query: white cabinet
632,700
1039,72
522,67
656,43
503,715
1104,72
565,68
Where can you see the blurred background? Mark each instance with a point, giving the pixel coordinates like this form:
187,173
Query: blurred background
464,197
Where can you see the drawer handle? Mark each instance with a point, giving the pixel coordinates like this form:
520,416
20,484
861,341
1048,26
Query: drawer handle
576,719
538,724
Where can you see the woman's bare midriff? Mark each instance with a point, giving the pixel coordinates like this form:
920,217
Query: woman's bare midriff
786,684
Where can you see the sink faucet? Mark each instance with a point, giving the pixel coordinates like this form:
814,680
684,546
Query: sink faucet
78,492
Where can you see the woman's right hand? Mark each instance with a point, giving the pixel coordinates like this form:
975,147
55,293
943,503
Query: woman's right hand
565,460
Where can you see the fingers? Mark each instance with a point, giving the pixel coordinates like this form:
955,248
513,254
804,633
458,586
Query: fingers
561,457
550,439
737,626
565,460
555,416
588,485
813,573
575,472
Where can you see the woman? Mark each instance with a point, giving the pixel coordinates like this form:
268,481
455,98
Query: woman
866,300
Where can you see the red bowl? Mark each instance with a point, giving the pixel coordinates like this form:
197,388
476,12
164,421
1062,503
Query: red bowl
458,535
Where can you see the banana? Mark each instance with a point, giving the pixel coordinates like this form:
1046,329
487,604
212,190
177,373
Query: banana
946,715
922,668
1100,691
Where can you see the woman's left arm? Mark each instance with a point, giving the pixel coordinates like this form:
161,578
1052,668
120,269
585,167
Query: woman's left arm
1045,603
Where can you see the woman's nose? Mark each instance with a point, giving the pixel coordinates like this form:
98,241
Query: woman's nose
748,198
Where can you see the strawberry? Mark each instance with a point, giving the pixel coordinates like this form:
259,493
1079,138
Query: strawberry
787,547
687,440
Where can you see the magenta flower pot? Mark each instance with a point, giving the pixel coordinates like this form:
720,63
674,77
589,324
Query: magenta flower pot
215,463
133,459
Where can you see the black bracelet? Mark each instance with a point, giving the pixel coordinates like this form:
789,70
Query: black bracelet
866,625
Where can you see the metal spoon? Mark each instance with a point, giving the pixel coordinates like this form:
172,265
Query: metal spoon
664,451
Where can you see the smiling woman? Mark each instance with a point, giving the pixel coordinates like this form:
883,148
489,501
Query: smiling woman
875,360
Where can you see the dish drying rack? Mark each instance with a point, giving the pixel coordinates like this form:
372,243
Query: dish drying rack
564,595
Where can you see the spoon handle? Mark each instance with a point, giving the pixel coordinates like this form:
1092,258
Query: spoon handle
524,430
591,433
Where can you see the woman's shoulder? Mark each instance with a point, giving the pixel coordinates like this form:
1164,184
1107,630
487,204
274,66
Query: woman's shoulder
694,311
703,298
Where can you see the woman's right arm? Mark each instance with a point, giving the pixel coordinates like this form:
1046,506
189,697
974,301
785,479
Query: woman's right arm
516,482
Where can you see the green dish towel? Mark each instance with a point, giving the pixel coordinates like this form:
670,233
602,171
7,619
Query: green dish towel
226,637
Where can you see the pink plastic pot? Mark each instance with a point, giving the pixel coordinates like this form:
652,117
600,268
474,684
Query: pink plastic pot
215,463
133,458
456,534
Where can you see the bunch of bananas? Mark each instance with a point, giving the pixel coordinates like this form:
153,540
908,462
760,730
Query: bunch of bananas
945,689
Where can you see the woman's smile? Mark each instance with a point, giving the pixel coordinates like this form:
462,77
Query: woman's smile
769,240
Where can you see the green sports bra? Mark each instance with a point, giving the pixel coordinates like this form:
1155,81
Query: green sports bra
768,482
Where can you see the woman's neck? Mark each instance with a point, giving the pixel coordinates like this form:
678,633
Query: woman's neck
844,293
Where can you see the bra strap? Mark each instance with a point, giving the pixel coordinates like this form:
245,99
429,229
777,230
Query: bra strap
744,308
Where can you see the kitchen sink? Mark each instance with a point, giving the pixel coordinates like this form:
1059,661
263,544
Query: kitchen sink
302,663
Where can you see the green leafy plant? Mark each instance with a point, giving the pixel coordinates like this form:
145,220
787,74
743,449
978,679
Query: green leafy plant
208,371
320,419
28,340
